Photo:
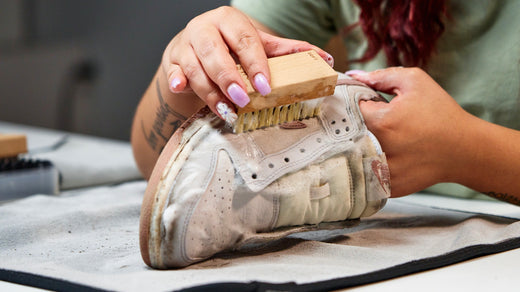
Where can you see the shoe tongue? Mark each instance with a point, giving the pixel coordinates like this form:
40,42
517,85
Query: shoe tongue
278,138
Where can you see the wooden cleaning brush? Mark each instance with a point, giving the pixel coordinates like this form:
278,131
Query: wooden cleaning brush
297,83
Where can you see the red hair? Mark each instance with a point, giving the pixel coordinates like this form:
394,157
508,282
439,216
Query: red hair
406,30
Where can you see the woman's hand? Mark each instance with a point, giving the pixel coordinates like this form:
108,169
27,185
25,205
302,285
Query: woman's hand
203,57
199,67
428,138
419,129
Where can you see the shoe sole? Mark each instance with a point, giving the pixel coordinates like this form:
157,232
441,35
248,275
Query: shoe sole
171,158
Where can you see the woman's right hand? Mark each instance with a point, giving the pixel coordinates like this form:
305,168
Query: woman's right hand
199,67
202,58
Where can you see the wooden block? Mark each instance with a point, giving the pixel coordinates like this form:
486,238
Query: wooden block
294,78
12,144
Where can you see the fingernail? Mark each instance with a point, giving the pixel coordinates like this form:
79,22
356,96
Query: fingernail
173,85
238,95
226,112
330,60
261,84
355,72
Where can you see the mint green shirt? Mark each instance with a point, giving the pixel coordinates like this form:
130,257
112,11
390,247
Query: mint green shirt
477,60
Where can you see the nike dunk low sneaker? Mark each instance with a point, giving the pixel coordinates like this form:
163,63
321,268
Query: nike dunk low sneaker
213,190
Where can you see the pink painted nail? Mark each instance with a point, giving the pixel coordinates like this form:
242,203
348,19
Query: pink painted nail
355,72
330,60
238,95
261,84
173,85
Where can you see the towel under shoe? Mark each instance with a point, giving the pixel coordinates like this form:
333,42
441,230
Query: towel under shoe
212,190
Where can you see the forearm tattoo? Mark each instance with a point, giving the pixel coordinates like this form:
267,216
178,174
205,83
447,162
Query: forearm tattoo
504,197
166,122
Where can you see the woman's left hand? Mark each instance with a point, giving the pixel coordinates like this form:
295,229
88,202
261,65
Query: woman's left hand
418,130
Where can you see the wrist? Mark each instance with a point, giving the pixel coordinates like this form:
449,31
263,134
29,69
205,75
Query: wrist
472,152
458,149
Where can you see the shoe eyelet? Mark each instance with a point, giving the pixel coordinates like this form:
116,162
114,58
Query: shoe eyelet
302,150
344,120
271,165
318,140
286,159
333,122
337,131
254,176
347,129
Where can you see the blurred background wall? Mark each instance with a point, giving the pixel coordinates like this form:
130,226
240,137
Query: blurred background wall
82,66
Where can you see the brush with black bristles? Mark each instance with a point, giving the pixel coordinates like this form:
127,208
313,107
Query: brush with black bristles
298,81
21,176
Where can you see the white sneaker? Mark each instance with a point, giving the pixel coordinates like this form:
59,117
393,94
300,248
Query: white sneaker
212,190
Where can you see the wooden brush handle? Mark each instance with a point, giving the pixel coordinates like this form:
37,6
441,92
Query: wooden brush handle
294,78
12,144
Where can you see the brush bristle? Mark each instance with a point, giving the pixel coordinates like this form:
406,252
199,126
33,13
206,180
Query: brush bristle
278,115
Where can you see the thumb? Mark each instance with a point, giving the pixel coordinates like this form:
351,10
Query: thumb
389,80
278,46
373,111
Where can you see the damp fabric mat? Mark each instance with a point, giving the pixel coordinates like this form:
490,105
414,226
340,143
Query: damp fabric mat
87,239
